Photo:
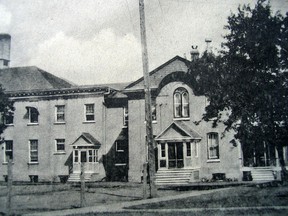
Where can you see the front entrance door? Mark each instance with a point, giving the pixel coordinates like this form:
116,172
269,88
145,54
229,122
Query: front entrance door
175,155
86,156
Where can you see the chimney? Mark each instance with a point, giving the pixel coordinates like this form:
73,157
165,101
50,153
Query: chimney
194,53
208,41
5,43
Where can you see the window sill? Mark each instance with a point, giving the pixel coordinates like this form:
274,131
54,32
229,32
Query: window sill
59,123
121,164
88,122
213,160
33,163
32,124
119,150
154,122
60,153
6,163
9,125
181,119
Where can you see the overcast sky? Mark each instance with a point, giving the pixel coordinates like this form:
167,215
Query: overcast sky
98,41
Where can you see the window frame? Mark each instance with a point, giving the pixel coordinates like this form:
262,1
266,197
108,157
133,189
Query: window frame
33,150
58,113
188,149
118,145
89,113
9,150
60,142
181,103
33,112
212,147
125,116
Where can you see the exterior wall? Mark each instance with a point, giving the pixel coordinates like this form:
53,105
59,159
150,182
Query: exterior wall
137,149
229,155
51,164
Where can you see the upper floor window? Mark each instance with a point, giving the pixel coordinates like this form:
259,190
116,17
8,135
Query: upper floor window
60,113
9,118
181,103
120,146
33,151
154,112
125,116
8,150
32,114
89,112
213,145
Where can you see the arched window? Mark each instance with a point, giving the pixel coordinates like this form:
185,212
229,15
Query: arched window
181,103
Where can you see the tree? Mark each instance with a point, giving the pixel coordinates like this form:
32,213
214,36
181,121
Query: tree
246,83
6,110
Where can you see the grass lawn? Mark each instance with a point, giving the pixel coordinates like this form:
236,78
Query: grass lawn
242,196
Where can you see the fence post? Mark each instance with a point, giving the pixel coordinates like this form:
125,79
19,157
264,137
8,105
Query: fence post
9,185
82,192
145,194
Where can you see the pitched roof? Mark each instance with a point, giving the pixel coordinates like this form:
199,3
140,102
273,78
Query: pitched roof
90,140
176,64
178,131
30,78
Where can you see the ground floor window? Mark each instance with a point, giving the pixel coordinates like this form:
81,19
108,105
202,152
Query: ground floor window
8,150
213,145
33,151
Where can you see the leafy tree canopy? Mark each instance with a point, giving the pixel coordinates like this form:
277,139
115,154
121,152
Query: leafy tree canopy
6,109
246,83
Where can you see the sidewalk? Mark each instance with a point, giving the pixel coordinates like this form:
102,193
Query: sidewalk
120,207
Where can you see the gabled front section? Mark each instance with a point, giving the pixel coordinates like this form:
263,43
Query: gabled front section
186,151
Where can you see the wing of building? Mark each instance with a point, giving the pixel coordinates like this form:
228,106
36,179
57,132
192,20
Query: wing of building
57,126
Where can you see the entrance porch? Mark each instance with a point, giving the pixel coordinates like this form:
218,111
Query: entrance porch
178,155
85,157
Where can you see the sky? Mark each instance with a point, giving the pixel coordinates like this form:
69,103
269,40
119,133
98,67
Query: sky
98,41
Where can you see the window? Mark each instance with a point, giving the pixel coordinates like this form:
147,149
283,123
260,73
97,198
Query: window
120,146
33,151
153,112
76,156
32,114
181,103
213,145
60,145
92,155
9,118
89,112
125,116
60,113
188,149
163,151
8,150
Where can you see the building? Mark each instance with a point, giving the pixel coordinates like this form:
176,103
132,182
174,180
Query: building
58,126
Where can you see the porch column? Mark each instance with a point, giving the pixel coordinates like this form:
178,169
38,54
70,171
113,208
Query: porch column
240,154
166,155
277,158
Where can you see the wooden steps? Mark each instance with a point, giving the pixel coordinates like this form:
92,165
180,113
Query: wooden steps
75,177
173,176
262,174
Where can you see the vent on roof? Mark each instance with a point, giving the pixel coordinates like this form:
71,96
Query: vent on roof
5,43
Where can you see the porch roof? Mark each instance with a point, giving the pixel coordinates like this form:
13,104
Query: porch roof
88,139
178,131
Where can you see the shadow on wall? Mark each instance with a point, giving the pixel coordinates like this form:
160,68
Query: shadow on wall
116,160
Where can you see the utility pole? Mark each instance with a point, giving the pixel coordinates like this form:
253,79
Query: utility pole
148,113
9,185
